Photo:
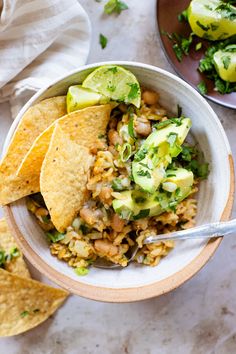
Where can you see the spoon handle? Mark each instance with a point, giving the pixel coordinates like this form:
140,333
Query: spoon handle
207,231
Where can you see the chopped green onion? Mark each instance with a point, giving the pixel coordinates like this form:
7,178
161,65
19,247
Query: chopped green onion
14,252
81,271
55,237
131,126
117,184
198,46
126,152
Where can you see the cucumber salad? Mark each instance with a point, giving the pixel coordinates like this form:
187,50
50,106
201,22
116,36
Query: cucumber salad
213,26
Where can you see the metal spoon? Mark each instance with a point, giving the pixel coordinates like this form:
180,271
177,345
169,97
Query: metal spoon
216,229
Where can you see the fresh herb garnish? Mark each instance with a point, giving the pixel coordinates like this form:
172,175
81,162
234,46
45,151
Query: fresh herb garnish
116,184
198,46
206,65
143,173
113,69
24,314
183,16
140,155
202,87
14,252
140,200
226,61
226,10
126,152
203,27
131,126
189,158
171,139
103,40
134,91
55,236
181,45
178,52
142,214
2,258
115,6
45,219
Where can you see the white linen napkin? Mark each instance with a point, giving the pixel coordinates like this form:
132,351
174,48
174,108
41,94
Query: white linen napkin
39,41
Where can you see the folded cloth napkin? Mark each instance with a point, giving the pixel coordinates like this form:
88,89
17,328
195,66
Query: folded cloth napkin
39,41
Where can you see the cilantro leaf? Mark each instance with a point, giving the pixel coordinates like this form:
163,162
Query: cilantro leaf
103,40
142,214
134,91
143,173
115,6
202,87
24,314
203,27
226,61
140,155
183,16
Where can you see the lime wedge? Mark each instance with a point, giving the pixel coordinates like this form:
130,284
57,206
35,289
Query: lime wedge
79,97
116,83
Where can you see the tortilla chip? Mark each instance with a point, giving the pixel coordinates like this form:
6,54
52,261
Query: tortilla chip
17,264
83,126
25,303
63,178
33,123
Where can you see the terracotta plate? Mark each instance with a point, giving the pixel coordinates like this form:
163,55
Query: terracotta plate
167,12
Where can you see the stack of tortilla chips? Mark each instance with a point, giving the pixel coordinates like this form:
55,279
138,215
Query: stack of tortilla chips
49,153
51,149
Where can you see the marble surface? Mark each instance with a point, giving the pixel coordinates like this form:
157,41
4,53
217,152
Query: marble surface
197,318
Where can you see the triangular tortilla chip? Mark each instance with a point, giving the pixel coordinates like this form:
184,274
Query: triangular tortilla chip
25,303
63,178
33,123
83,126
15,264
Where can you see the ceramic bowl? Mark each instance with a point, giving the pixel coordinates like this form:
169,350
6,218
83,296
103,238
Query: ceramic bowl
215,199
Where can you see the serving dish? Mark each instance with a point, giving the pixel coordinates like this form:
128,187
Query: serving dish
167,20
135,282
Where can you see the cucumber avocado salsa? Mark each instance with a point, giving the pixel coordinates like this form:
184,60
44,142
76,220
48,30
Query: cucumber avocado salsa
142,178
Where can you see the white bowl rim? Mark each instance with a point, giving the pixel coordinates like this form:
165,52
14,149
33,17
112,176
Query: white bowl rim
121,294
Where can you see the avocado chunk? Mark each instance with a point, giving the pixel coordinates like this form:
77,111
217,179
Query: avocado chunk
79,97
225,63
136,204
148,167
212,19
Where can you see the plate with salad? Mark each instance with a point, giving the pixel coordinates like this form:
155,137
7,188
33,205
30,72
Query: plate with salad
199,40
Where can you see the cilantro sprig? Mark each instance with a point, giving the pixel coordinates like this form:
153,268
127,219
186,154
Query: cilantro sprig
103,40
115,6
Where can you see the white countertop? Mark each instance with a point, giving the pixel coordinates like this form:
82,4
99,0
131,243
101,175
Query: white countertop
199,317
